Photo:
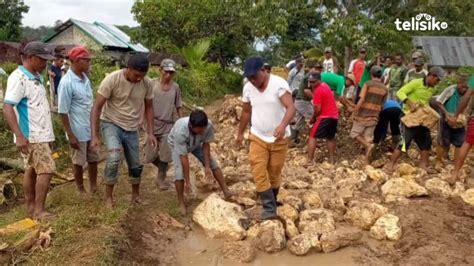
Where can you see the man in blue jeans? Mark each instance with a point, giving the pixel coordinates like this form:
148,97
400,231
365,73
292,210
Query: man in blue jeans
193,134
123,94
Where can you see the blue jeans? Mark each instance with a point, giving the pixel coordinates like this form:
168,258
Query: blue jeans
178,167
115,139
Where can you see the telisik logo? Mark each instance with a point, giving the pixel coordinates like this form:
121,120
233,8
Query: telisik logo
421,22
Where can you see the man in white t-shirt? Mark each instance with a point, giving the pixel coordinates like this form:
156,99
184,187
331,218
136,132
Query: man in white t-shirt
267,101
26,110
330,62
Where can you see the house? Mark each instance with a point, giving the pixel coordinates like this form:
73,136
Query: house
448,52
97,36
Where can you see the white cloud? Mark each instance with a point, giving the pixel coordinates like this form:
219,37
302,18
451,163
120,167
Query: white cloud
46,12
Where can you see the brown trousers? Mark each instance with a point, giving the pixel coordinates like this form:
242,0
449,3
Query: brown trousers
266,162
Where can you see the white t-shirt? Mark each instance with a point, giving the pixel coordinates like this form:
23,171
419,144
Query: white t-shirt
328,65
26,92
267,108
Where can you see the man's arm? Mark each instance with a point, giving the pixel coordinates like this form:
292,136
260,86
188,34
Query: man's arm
149,121
178,110
95,114
464,102
308,93
362,95
10,116
206,147
70,135
244,117
404,91
287,101
185,165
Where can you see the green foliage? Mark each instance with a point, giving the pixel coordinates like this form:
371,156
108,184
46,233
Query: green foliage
36,34
9,67
195,53
232,27
100,67
11,13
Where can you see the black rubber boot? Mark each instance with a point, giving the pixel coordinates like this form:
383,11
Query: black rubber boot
268,204
275,193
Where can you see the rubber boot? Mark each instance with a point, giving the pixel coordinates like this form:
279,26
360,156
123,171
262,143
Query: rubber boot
160,179
275,194
269,205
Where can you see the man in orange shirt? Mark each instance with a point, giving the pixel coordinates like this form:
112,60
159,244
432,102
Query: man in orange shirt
357,66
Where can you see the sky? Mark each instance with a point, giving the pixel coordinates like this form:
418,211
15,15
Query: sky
46,12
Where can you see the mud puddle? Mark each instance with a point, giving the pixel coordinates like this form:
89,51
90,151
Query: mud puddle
199,250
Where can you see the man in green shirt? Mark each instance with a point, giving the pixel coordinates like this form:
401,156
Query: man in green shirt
417,92
336,82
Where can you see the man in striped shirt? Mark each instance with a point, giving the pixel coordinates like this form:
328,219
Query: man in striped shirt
366,113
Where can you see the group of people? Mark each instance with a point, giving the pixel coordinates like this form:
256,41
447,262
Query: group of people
276,110
126,101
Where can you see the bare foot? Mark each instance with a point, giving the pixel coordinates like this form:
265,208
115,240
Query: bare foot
369,153
182,209
43,215
109,203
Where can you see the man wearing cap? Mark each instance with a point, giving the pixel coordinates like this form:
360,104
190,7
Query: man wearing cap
416,55
166,99
447,105
330,62
366,112
397,75
469,139
303,106
74,106
26,110
417,92
296,75
123,94
418,72
324,120
267,100
55,74
357,66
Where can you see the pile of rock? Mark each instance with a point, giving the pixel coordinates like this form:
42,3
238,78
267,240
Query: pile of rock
325,207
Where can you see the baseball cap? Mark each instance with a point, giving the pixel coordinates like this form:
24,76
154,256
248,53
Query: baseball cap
419,62
416,55
168,65
79,52
438,71
327,50
252,66
375,69
38,49
314,76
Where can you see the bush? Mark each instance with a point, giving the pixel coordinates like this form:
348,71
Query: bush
100,67
207,82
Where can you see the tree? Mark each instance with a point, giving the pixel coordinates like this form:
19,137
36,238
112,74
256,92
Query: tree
231,26
36,34
11,14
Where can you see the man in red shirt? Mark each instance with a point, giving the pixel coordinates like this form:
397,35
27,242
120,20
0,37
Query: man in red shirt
357,66
324,118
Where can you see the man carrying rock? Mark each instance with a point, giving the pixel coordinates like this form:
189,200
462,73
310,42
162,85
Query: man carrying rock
417,92
366,112
74,106
324,120
447,104
193,135
267,100
123,94
166,99
469,140
32,126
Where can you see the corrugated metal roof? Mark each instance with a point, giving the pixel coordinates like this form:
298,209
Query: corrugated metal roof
103,34
122,36
447,51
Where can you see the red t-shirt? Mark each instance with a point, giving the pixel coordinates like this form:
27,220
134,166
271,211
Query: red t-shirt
323,96
358,70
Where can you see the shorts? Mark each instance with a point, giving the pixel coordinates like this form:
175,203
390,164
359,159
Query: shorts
360,129
40,158
420,134
448,135
470,131
178,167
324,128
83,155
